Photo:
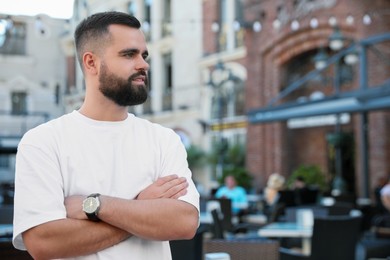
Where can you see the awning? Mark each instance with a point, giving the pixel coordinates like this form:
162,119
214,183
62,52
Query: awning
375,98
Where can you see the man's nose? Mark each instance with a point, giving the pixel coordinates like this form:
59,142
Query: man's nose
142,64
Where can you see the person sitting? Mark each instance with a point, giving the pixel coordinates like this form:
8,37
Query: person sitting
235,193
381,222
385,196
275,183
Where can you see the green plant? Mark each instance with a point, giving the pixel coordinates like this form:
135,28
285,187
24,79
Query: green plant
311,174
196,157
234,163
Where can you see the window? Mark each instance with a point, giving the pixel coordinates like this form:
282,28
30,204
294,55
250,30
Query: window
147,18
222,35
12,38
239,16
132,8
19,103
167,93
147,106
230,37
167,19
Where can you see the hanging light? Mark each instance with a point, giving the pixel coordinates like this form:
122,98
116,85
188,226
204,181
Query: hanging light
336,40
276,24
257,26
294,25
350,20
236,26
314,23
367,19
332,21
320,59
352,57
215,27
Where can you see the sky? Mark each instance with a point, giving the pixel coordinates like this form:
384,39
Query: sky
54,8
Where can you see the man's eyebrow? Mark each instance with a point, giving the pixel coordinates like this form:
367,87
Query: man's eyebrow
132,51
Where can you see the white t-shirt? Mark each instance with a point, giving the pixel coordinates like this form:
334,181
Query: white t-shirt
77,155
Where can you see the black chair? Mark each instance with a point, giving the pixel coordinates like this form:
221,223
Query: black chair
217,229
226,210
191,249
340,209
287,198
8,251
333,238
306,196
6,214
226,219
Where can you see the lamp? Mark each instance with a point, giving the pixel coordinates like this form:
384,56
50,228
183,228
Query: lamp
336,40
238,24
219,78
320,59
351,58
215,27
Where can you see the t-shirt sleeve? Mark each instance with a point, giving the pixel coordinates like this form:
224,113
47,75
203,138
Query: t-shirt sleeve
175,162
39,194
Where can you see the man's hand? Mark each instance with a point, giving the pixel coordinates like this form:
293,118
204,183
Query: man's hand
170,186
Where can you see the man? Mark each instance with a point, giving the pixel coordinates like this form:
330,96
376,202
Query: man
235,193
100,182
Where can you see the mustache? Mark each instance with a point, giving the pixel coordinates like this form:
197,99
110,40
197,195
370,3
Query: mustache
140,73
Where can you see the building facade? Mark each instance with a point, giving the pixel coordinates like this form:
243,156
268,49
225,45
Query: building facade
32,80
332,115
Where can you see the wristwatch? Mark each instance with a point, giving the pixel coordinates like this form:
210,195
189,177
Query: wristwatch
91,206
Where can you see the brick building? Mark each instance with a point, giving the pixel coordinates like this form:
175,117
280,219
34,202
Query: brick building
282,79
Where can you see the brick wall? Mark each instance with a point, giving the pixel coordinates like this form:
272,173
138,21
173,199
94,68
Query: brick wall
271,146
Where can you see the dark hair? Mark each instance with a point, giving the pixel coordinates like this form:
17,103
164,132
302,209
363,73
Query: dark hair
95,28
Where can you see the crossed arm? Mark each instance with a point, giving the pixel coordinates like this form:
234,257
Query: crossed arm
149,216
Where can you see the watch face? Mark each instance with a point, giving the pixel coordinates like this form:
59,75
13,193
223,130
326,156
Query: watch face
90,205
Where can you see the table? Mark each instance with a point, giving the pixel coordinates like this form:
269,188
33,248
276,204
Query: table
206,218
289,229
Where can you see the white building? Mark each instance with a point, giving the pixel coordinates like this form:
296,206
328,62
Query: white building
32,80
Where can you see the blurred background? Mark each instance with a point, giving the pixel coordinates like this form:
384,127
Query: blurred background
297,87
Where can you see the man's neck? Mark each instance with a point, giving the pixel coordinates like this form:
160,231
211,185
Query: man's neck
104,113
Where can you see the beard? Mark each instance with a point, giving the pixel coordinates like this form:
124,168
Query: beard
122,91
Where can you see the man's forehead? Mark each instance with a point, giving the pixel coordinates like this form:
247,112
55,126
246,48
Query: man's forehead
127,37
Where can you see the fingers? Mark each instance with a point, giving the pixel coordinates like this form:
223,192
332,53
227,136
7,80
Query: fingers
171,186
162,180
176,188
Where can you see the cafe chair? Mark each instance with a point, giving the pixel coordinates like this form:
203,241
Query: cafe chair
334,237
6,214
188,249
244,248
8,251
223,220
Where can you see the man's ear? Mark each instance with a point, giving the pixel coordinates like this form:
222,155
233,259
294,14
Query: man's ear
90,63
